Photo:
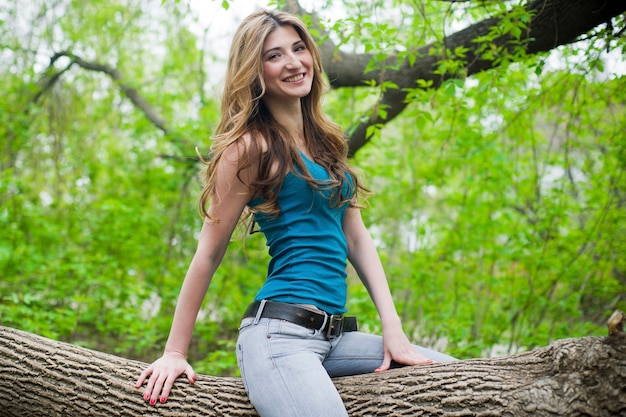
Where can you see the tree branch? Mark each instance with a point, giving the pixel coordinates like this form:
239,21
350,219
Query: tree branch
554,23
129,91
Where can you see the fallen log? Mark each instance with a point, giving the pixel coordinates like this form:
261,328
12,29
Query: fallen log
570,377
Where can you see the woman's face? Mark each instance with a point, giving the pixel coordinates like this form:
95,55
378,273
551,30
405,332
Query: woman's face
287,65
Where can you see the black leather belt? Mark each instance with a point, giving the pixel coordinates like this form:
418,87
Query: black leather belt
330,324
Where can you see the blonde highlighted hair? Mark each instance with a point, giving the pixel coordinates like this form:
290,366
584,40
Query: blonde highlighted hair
243,112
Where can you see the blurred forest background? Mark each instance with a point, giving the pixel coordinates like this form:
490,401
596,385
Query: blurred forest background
499,203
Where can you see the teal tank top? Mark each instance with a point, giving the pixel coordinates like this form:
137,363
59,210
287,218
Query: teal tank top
307,245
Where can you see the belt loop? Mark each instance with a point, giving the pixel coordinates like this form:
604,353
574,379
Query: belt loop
326,315
259,312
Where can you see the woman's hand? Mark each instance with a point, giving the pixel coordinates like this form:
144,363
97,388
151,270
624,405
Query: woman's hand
398,348
364,258
163,372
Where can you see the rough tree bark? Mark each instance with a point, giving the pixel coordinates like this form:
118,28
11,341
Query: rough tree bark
571,377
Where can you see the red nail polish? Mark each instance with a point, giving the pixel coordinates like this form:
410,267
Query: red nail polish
163,399
152,402
146,397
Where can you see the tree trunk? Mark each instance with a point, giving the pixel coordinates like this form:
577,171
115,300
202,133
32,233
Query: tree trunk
571,377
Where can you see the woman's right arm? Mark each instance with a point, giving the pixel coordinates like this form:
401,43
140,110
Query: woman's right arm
225,209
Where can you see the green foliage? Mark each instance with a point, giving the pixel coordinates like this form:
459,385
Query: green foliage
500,212
498,199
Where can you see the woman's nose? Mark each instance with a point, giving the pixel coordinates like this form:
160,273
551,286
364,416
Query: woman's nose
292,61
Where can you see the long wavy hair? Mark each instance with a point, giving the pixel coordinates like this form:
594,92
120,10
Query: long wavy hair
244,112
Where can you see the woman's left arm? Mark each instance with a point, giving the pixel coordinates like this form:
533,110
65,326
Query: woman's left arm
364,258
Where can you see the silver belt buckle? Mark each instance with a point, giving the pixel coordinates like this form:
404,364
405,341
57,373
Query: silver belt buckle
334,326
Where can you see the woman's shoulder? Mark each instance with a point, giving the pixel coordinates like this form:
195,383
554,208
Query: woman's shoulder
248,144
251,143
254,141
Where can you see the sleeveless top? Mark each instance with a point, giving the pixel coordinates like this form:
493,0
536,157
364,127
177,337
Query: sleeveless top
306,243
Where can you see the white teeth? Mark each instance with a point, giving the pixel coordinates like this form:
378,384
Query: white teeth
294,78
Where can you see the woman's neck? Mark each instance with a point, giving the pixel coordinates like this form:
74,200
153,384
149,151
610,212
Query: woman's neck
289,115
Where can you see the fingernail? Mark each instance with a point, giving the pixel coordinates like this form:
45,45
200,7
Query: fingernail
152,402
163,399
146,397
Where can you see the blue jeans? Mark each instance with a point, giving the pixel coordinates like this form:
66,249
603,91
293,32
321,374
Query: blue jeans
287,368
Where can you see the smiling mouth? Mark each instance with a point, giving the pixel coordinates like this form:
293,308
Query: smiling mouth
294,78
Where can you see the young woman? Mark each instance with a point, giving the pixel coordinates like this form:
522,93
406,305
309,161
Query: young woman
278,156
